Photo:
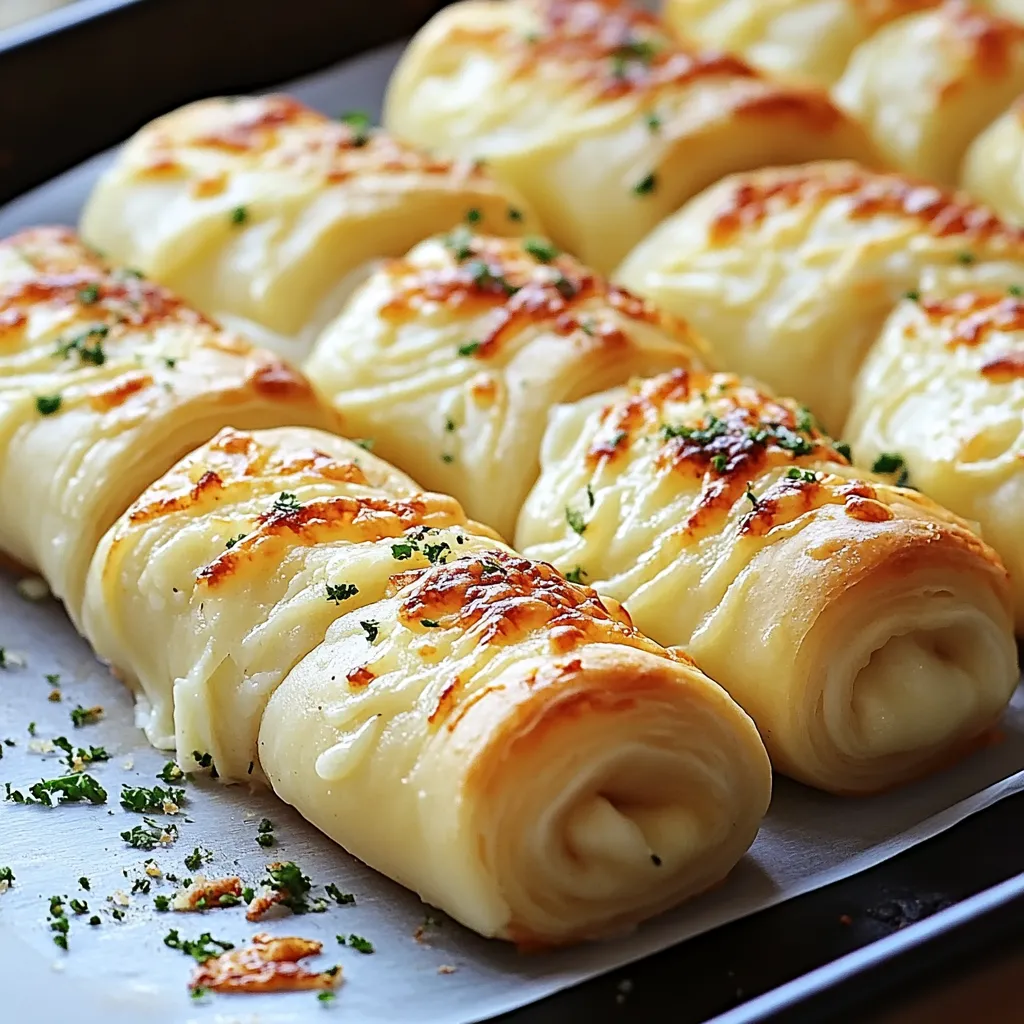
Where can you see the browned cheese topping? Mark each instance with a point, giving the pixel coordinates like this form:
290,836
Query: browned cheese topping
268,965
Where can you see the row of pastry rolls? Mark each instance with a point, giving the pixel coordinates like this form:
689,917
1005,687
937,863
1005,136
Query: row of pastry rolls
791,273
105,380
265,213
475,726
866,630
463,720
598,116
924,77
651,506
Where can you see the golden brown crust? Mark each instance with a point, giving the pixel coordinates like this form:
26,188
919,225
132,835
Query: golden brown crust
268,965
205,894
323,520
280,132
989,39
944,214
528,282
971,316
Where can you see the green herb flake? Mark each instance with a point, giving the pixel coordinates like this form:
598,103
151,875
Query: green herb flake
402,551
469,349
646,185
888,462
541,250
89,295
343,899
201,949
287,878
372,630
576,576
286,502
338,592
366,443
575,520
361,945
238,216
47,405
150,801
653,122
74,788
360,123
844,449
85,716
473,216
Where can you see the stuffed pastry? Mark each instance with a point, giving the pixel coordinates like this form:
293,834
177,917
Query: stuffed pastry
867,631
265,213
790,272
993,169
602,121
941,399
927,84
449,360
500,741
811,39
105,381
230,568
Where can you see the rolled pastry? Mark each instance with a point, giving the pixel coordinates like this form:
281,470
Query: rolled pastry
602,121
266,214
941,397
812,39
790,272
927,84
865,629
105,381
229,569
993,169
450,359
516,753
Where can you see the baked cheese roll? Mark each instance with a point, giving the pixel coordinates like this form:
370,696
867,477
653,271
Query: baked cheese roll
927,84
508,747
602,121
809,38
450,359
105,381
993,169
265,213
867,631
941,398
790,272
230,568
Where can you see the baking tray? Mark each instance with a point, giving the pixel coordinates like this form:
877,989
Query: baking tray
81,79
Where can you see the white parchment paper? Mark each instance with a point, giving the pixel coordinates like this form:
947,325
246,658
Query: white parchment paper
122,973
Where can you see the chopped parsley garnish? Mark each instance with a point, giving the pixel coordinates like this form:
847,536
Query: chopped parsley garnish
7,875
79,906
892,462
232,541
473,216
447,457
194,861
150,801
366,443
162,903
200,949
68,789
142,885
338,592
239,215
483,276
574,517
265,836
341,898
88,345
788,440
75,758
47,405
653,122
358,943
149,836
460,243
205,760
912,296
292,884
430,623
750,496
31,728
844,449
400,552
53,678
541,250
84,883
469,349
966,258
646,185
326,996
360,122
85,716
515,214
286,502
59,922
449,424
804,475
719,463
372,630
89,294
171,772
437,552
1015,290
576,576
170,362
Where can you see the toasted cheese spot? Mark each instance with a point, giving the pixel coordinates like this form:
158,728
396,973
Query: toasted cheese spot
254,129
501,275
869,510
119,391
1004,368
327,520
504,598
267,965
360,677
612,49
209,483
942,213
811,107
211,185
205,894
969,318
445,701
988,39
279,380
